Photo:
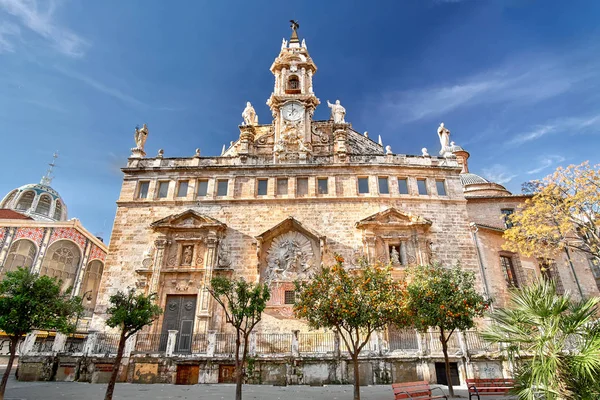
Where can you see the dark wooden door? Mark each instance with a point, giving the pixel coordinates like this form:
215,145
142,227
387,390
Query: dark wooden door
440,373
187,374
180,312
226,373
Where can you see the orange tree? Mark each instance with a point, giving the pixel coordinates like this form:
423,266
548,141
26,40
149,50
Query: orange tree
562,215
445,299
354,303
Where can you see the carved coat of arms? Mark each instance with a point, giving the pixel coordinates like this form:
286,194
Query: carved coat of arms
290,257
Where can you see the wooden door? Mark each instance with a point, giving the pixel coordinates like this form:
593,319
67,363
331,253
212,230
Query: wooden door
187,374
226,373
180,312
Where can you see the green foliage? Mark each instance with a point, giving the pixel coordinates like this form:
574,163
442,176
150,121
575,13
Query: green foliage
131,311
29,301
444,298
554,343
349,301
242,302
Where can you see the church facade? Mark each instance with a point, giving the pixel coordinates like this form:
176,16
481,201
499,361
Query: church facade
289,194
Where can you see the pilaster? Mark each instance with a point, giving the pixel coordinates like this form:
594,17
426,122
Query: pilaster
160,244
8,239
42,251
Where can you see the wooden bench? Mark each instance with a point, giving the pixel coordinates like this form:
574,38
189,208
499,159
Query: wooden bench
489,387
416,390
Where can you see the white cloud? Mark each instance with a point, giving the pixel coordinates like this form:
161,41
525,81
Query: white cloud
40,20
545,162
498,173
569,125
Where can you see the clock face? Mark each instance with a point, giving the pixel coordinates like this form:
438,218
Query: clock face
292,111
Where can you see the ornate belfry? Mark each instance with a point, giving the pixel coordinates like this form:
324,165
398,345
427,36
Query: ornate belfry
287,252
396,237
189,246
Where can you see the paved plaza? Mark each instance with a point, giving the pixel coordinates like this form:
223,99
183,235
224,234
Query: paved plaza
75,390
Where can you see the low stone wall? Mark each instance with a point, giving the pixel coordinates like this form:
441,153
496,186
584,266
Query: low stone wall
273,370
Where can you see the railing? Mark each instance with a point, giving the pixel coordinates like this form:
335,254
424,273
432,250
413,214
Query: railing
436,344
5,346
273,343
199,343
403,340
43,344
474,342
74,345
151,342
107,343
316,343
225,343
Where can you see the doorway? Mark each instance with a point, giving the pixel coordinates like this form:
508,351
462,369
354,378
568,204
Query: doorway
180,312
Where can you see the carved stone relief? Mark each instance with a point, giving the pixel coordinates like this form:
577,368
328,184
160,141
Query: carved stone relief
224,256
290,257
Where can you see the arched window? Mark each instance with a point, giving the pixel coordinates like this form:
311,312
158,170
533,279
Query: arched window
21,254
25,201
293,84
91,283
58,211
8,199
43,206
61,261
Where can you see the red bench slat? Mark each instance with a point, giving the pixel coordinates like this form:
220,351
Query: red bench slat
414,390
490,386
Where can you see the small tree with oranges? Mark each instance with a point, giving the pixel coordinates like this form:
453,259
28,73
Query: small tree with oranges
446,299
354,303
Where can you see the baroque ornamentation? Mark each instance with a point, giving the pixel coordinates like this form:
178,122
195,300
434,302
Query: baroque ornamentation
290,257
224,256
291,143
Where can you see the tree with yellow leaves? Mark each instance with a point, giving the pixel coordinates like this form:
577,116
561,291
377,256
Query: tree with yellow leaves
562,215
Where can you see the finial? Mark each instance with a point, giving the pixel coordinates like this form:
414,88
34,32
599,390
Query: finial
47,179
223,150
197,155
160,154
294,25
366,134
388,150
380,141
424,152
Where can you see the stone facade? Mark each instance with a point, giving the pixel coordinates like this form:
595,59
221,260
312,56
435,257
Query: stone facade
285,197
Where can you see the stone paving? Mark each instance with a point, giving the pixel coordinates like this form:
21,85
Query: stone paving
85,391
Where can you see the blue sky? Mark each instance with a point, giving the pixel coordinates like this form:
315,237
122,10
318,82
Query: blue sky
516,82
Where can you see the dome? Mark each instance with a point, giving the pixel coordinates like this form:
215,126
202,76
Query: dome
475,185
471,179
37,200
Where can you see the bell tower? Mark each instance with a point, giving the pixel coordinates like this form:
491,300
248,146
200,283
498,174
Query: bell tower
293,101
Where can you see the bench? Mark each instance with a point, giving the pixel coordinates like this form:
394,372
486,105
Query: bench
483,387
416,390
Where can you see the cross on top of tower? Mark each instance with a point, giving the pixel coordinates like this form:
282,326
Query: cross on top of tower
294,25
47,179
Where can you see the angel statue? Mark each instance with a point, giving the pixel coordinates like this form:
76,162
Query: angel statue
249,115
140,137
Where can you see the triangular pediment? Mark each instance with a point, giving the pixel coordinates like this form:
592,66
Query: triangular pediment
289,224
189,219
392,217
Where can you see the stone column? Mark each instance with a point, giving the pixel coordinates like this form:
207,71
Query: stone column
295,344
160,244
27,346
130,345
252,344
10,234
59,343
212,343
90,343
211,258
403,253
171,342
82,267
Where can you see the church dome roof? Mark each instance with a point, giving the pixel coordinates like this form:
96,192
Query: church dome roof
37,200
475,185
471,179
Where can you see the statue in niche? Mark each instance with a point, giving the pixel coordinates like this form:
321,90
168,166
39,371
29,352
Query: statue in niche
249,115
290,257
337,112
444,135
187,256
140,137
395,256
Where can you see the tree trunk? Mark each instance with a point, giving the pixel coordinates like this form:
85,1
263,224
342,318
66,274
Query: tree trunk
14,340
447,361
115,373
238,369
356,376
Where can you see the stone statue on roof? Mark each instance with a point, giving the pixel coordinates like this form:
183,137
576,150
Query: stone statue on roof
337,112
249,115
444,135
140,137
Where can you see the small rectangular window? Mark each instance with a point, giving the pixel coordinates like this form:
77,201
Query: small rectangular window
263,185
282,186
363,185
222,187
403,185
441,187
163,189
202,189
509,271
182,189
383,185
289,297
506,213
322,185
301,186
143,190
422,186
